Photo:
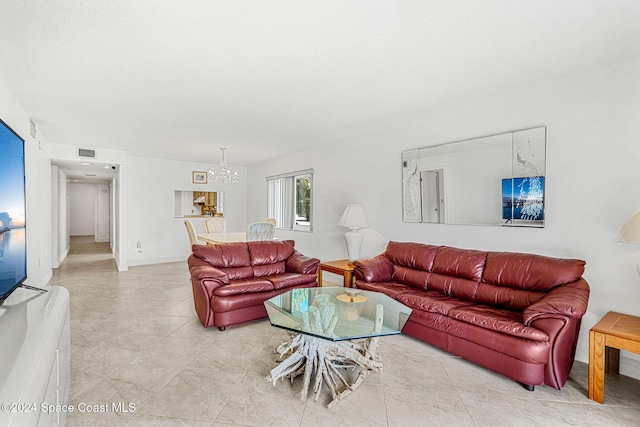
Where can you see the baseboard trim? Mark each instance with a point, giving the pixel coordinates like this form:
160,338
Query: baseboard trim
120,268
45,280
137,262
62,256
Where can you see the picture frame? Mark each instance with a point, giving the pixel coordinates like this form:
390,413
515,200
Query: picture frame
198,177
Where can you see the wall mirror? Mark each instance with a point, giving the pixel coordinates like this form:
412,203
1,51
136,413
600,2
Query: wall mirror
493,180
198,203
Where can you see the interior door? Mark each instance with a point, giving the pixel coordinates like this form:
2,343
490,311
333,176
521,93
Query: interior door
432,193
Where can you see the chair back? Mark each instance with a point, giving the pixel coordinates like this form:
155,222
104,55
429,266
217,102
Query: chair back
215,225
262,230
272,221
191,231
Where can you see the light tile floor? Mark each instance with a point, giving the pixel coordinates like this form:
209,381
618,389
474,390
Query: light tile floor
136,341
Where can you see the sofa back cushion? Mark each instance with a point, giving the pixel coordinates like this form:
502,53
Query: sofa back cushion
516,280
409,276
411,262
268,256
530,272
457,272
505,297
231,258
462,263
413,255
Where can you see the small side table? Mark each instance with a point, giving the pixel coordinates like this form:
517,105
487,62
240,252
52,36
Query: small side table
616,331
343,267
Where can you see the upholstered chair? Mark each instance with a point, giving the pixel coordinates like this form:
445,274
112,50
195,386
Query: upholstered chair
215,225
262,230
191,231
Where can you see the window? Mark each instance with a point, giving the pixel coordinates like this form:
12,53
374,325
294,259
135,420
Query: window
289,200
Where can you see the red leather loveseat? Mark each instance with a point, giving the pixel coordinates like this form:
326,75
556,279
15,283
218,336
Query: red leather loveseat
516,314
232,280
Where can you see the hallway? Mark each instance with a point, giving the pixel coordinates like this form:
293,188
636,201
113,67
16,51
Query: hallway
85,251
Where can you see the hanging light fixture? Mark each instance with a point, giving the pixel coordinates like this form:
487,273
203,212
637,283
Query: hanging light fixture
224,174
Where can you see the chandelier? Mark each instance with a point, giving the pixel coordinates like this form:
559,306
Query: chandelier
223,174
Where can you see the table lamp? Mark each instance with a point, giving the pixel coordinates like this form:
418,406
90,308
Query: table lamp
631,230
354,218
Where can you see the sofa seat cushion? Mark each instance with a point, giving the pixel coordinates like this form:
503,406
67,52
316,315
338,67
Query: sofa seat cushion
287,280
503,321
240,301
244,286
436,321
432,302
269,269
392,289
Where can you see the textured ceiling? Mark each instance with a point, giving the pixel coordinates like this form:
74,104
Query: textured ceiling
179,79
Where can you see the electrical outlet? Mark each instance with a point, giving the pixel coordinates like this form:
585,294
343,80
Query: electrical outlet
139,244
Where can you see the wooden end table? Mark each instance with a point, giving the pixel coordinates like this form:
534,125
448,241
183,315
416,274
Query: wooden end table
616,331
343,267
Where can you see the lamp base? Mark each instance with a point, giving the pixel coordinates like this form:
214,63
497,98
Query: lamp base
353,239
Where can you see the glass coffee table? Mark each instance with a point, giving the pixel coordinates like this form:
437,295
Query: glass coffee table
332,329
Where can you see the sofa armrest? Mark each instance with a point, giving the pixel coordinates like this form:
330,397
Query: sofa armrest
376,269
203,273
201,270
298,263
568,300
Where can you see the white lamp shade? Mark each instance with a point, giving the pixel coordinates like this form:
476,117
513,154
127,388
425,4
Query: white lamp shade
631,230
353,217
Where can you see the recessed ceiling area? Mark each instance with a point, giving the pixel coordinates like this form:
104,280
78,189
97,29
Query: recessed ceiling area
87,172
179,80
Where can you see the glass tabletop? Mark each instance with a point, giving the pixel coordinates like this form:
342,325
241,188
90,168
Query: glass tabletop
337,313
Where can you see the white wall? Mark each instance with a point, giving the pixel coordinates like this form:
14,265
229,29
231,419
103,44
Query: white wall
103,198
59,216
593,130
151,205
38,187
89,210
120,234
83,199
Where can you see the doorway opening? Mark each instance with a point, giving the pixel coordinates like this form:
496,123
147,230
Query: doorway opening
432,189
83,201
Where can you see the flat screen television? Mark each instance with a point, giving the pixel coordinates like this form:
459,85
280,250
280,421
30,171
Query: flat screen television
13,227
523,199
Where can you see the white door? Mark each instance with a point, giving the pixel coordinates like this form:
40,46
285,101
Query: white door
432,188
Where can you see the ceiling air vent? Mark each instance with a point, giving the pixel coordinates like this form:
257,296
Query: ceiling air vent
86,152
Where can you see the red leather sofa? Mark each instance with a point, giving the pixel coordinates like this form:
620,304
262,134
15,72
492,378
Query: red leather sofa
232,280
516,314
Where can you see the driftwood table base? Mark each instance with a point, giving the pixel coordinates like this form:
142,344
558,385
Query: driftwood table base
328,360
